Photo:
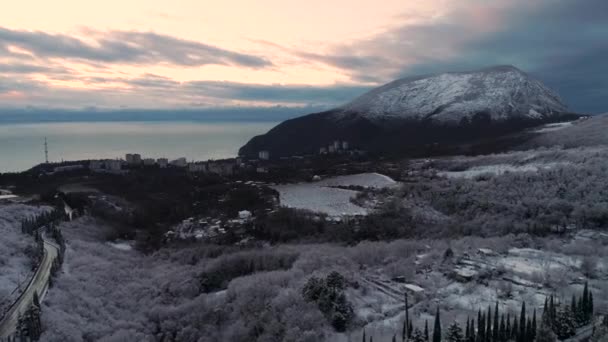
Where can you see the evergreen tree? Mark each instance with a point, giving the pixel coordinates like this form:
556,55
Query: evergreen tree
522,324
545,333
585,304
406,333
502,335
410,329
514,329
496,328
534,327
466,330
472,332
489,325
437,328
394,338
564,325
364,337
417,336
508,327
590,308
481,328
426,330
528,333
371,339
454,333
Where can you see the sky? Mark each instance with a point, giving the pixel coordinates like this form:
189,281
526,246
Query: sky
164,54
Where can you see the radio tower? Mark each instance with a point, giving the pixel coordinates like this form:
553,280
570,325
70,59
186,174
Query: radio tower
46,151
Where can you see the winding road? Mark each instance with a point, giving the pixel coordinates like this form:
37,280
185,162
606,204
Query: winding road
39,283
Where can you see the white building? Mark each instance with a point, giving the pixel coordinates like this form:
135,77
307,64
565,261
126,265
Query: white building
264,155
113,165
162,162
95,165
133,158
179,162
197,167
149,161
345,145
331,149
337,145
323,150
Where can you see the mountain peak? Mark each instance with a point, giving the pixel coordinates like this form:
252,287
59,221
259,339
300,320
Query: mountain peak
502,91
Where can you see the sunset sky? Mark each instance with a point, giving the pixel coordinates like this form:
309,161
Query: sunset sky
200,53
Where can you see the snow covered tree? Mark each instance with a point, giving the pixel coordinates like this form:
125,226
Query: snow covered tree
545,333
454,333
418,336
600,334
564,325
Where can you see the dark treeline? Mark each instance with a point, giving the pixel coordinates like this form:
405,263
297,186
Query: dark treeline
559,320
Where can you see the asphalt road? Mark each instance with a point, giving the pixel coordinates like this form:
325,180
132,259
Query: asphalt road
38,284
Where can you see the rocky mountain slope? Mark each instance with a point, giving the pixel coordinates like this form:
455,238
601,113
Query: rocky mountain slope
418,111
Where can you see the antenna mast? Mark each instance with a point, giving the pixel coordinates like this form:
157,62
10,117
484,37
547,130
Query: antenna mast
46,151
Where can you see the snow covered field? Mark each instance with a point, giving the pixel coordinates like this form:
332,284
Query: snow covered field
366,180
553,127
499,169
330,201
323,197
15,265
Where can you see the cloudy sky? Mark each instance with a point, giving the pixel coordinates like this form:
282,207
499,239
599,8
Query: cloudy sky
203,53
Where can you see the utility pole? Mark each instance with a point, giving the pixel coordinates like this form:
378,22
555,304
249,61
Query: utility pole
46,151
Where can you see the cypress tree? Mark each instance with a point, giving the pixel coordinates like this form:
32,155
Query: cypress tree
410,329
529,332
534,327
466,330
522,323
481,328
496,328
514,329
508,327
501,329
371,339
394,338
585,306
437,328
489,325
480,321
364,338
406,332
426,330
590,306
573,305
472,333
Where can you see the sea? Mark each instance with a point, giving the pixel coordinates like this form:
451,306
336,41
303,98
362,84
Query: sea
22,143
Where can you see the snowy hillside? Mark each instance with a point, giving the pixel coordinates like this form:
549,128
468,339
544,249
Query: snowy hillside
502,92
583,132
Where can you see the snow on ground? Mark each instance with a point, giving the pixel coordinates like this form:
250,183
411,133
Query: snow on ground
553,127
323,197
7,196
122,245
330,201
15,265
366,180
499,169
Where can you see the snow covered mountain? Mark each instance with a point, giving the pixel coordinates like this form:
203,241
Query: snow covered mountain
439,109
501,91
